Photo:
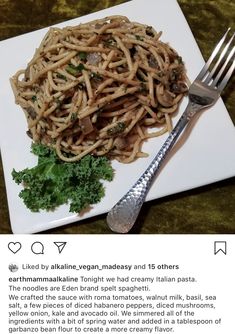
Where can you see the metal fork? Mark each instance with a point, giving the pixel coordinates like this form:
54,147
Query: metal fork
203,93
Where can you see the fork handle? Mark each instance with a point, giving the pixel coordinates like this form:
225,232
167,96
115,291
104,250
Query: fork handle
123,215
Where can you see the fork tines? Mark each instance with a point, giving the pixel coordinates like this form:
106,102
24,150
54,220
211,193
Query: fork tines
222,61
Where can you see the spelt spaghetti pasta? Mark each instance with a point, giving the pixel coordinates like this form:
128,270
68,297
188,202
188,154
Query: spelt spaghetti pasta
99,87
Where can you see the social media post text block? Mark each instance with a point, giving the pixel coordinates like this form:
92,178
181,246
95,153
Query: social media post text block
118,284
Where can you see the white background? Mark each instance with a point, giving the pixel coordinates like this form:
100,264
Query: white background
194,254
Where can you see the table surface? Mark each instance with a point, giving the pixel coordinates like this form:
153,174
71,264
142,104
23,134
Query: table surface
209,209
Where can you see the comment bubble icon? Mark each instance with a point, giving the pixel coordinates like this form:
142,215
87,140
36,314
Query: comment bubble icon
37,248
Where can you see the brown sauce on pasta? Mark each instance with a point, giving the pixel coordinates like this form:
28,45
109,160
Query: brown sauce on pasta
97,88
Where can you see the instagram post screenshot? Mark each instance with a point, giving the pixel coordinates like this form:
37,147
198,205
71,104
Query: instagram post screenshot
117,166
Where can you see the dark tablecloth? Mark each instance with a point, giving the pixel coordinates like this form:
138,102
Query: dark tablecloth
209,209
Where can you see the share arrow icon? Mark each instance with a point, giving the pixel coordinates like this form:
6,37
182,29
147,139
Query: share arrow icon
60,245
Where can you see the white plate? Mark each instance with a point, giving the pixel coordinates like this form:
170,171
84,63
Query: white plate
207,156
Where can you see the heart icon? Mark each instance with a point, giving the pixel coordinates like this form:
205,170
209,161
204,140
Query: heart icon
14,247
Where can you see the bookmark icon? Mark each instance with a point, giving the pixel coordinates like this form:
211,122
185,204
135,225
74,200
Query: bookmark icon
60,245
220,246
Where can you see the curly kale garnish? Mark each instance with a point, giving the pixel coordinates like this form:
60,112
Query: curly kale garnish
53,182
